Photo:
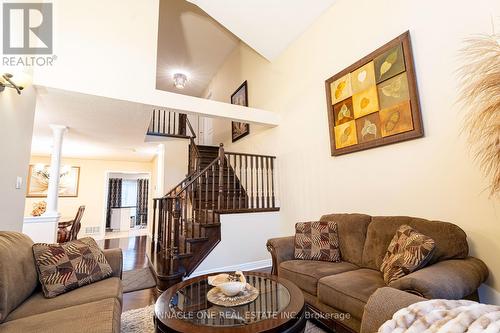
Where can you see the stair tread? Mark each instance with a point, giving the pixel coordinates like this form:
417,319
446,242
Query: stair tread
193,240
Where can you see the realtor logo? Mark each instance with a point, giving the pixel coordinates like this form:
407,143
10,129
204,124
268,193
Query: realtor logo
27,28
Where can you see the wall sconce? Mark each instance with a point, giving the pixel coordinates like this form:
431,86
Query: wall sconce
6,82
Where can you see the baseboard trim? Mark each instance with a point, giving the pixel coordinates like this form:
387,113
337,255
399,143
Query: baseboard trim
249,266
488,295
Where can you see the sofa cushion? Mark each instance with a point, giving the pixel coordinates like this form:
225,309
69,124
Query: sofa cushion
97,317
306,273
451,241
64,267
317,241
352,234
18,277
408,251
36,304
350,291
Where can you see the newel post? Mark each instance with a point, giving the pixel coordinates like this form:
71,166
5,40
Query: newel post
175,248
222,159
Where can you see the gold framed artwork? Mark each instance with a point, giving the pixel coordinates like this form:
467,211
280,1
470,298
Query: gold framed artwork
374,102
38,181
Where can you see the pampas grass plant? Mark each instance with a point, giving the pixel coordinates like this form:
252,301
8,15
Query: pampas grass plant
479,96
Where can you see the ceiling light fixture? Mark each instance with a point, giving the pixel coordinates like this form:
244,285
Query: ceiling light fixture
180,80
6,82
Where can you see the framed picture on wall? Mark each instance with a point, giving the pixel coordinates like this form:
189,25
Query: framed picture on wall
240,97
374,102
38,181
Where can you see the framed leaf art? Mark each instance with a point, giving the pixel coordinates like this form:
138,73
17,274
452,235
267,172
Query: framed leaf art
374,102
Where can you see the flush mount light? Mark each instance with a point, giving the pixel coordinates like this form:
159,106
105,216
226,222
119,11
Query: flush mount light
180,80
6,82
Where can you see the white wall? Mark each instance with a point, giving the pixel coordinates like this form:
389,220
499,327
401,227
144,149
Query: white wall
433,177
108,48
16,128
243,243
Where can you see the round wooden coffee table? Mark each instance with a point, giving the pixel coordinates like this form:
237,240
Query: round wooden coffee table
278,308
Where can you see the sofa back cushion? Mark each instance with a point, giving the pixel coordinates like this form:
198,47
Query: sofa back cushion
450,240
18,276
352,230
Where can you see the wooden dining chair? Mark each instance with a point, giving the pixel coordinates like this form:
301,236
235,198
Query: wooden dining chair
65,235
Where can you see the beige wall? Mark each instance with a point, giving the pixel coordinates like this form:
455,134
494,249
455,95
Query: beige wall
176,162
16,128
92,189
433,177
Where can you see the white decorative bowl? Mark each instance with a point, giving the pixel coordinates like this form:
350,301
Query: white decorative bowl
232,288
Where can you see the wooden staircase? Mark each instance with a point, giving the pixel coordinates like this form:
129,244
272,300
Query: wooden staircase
186,221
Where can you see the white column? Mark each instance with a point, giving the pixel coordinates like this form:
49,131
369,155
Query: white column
55,170
160,171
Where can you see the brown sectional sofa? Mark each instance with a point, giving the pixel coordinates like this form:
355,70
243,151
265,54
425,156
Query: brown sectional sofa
345,287
95,308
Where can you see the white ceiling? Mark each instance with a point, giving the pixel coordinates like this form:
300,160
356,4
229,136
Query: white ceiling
190,41
268,26
99,127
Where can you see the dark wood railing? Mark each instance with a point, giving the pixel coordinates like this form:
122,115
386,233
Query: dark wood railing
177,125
255,188
183,219
170,123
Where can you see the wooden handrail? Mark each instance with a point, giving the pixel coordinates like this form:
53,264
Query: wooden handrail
196,176
193,134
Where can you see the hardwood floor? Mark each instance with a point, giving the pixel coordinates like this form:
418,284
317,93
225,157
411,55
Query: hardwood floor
134,257
134,250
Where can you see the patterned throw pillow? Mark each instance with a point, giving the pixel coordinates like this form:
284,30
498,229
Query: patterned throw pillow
408,251
317,241
64,267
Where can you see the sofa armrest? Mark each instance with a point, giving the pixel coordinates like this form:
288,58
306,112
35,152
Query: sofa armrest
382,305
282,249
115,260
449,279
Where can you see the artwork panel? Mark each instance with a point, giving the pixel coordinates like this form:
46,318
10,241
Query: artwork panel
345,135
397,119
38,181
239,130
393,91
363,78
368,128
389,64
341,89
343,111
380,89
365,102
240,97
